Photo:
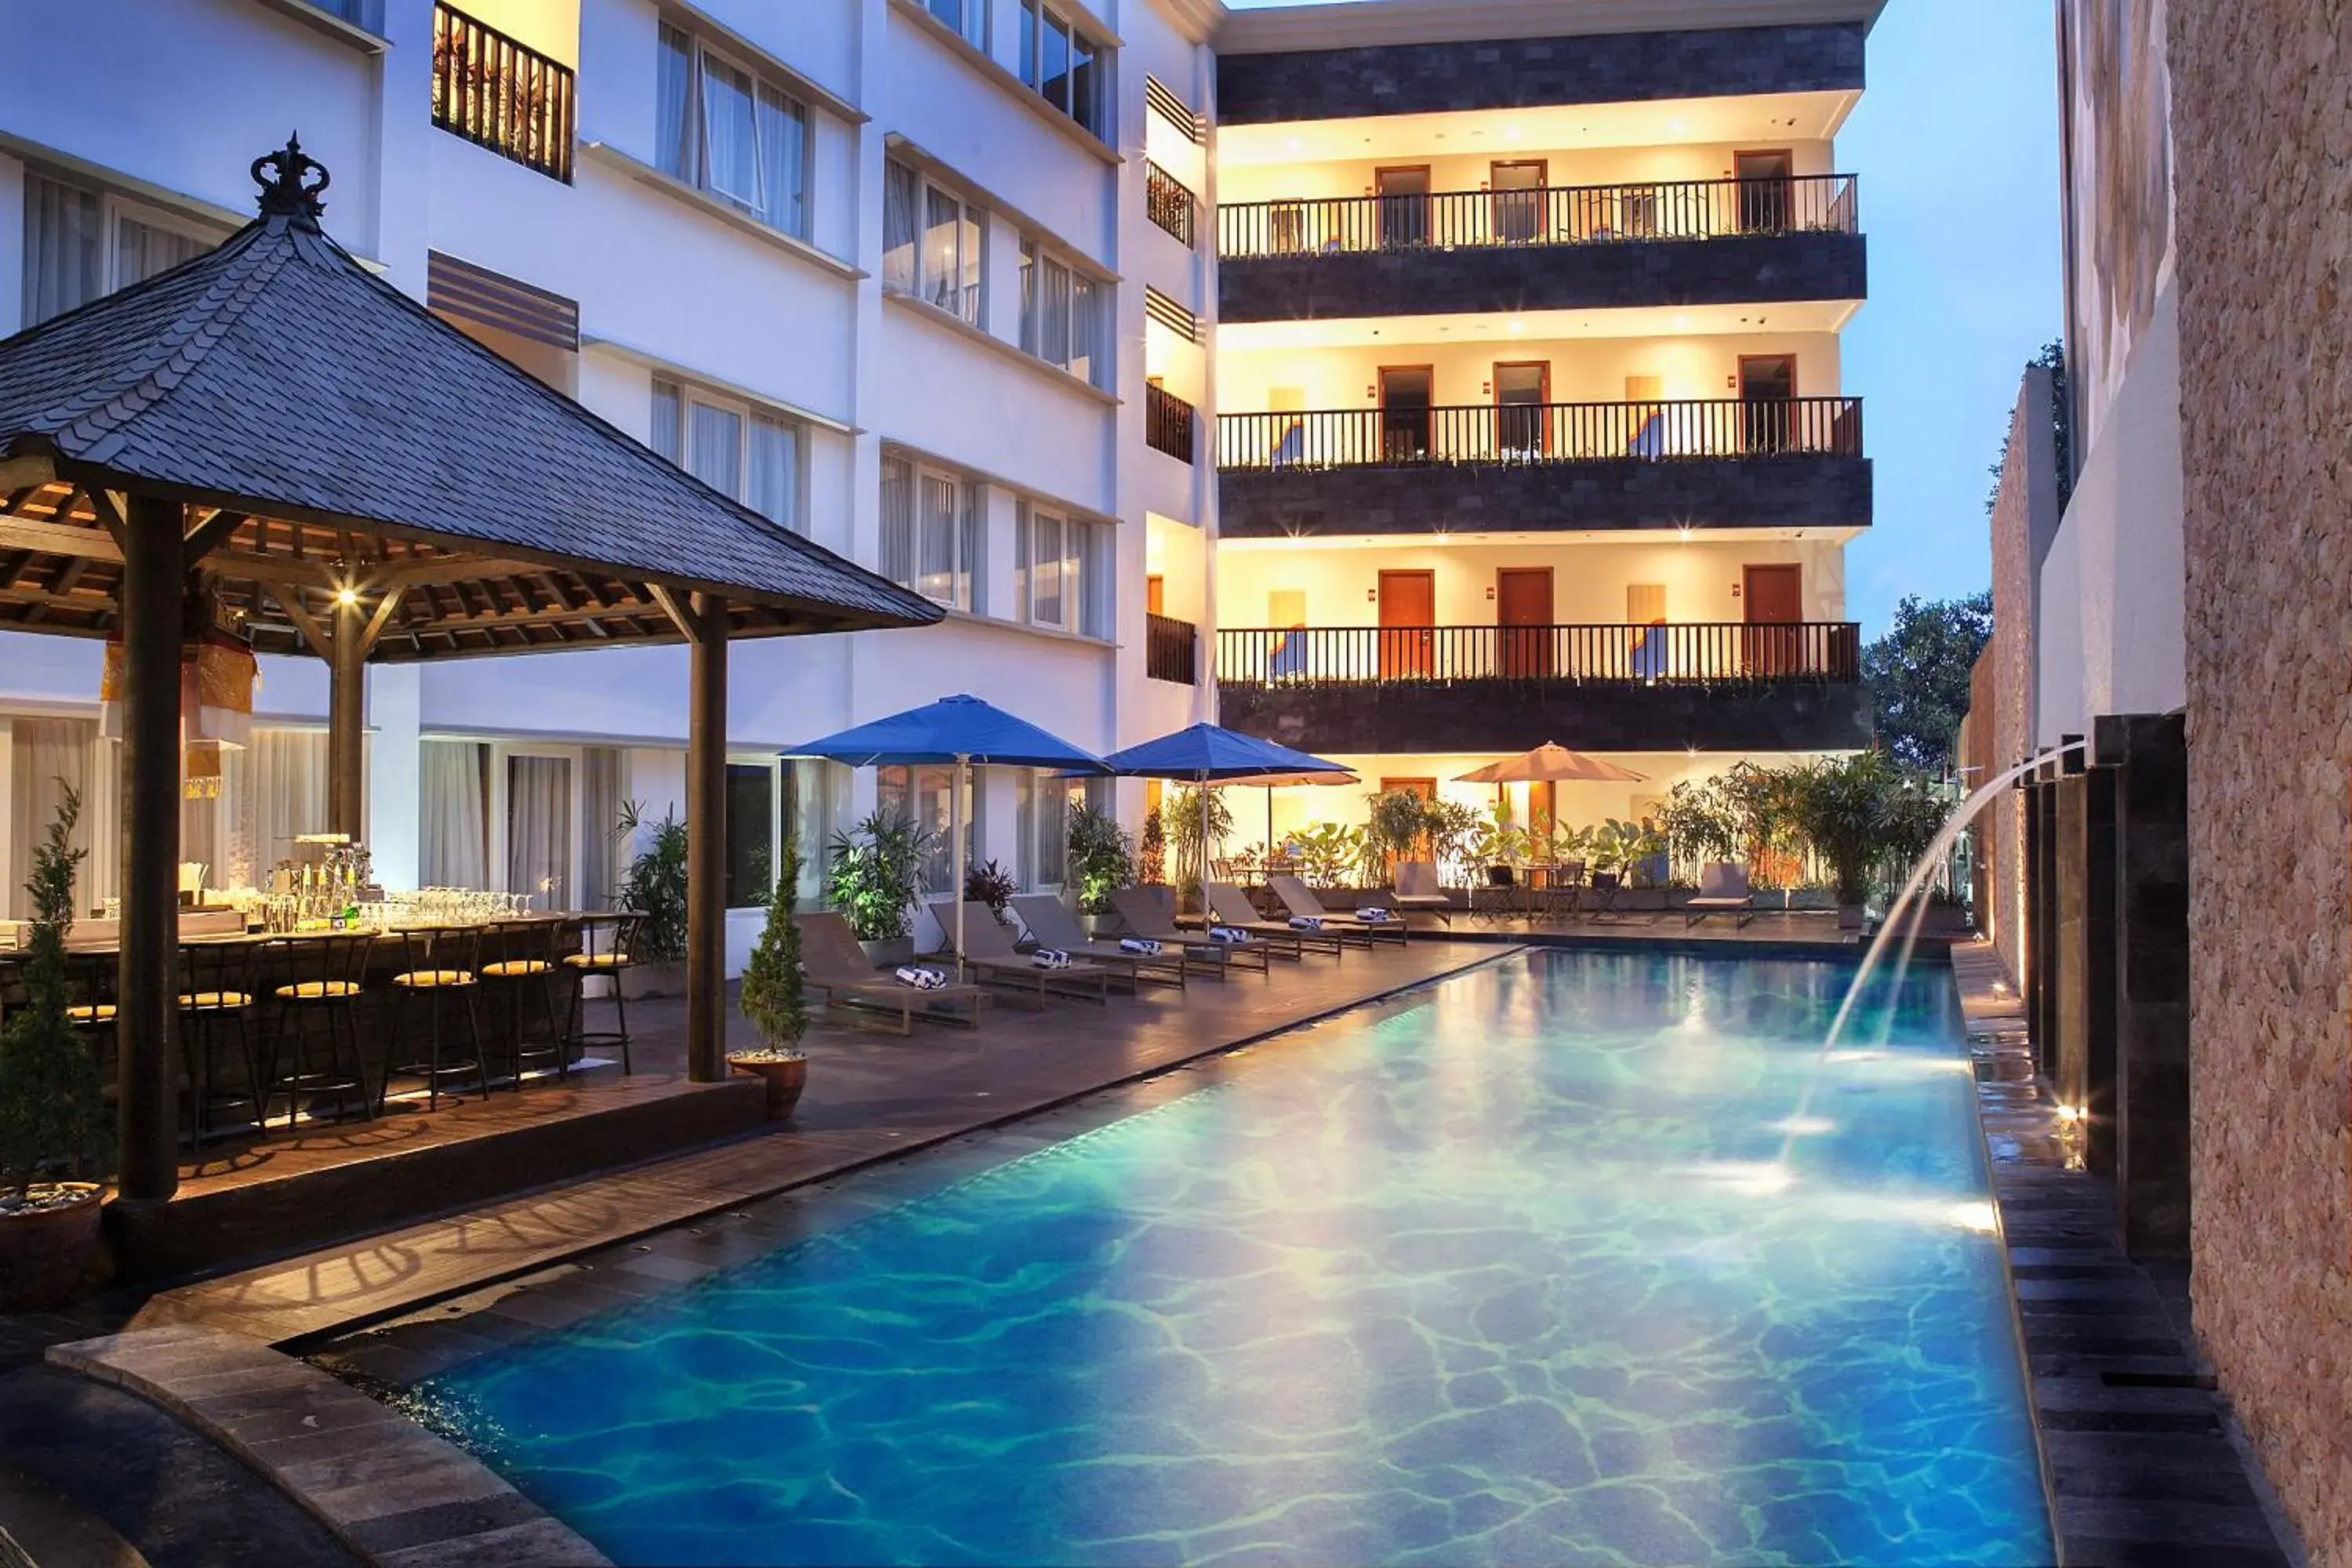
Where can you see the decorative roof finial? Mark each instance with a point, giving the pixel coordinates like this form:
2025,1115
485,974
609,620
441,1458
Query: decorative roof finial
284,192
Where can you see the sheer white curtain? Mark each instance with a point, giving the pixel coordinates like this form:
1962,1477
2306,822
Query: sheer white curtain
286,780
899,521
783,157
901,196
776,470
604,786
64,258
450,791
143,250
539,827
714,447
819,799
731,155
673,86
48,757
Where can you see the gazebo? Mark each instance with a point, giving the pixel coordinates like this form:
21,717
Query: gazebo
273,433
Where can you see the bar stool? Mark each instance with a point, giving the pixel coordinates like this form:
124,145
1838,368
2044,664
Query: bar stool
522,957
606,943
216,1003
435,965
325,977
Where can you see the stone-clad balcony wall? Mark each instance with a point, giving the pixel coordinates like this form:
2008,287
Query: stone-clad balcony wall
1520,73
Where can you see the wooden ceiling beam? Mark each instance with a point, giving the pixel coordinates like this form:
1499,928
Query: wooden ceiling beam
214,532
303,622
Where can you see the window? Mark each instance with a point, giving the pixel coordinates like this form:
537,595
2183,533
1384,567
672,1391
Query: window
1062,572
933,244
1068,70
736,449
934,533
722,130
80,244
750,833
968,18
1061,315
922,797
1042,817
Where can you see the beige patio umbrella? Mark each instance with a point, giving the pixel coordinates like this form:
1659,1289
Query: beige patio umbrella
1550,763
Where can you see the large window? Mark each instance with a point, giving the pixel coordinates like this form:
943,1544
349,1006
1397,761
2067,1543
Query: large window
1042,806
1061,314
1069,71
923,796
934,244
722,129
968,17
934,533
750,833
1062,572
81,243
765,800
736,448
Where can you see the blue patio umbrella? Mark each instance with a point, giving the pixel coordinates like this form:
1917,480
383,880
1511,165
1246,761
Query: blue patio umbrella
1209,753
962,731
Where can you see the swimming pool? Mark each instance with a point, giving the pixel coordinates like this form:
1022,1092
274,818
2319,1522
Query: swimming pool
1510,1273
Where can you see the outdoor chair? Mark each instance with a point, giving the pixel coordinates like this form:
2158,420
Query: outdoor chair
1606,886
1052,924
1722,891
1417,888
1298,899
832,962
1500,896
989,955
1229,906
1143,913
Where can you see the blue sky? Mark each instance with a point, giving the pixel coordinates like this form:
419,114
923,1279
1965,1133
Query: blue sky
1957,144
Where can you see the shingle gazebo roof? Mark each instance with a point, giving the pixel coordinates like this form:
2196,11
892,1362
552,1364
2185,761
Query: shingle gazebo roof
329,431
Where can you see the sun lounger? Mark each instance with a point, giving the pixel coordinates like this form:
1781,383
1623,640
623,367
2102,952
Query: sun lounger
1050,922
1722,891
1229,906
1299,899
1144,916
992,960
1417,888
832,962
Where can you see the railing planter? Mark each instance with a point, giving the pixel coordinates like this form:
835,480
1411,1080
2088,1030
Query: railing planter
1566,214
1541,433
1723,653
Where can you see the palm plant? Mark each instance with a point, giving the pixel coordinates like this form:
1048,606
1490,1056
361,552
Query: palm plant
1397,826
1102,857
1453,832
873,872
655,885
1840,808
1196,818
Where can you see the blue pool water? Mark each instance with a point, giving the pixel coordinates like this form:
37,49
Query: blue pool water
1506,1275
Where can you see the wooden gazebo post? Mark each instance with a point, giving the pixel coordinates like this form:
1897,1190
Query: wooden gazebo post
346,717
706,842
154,576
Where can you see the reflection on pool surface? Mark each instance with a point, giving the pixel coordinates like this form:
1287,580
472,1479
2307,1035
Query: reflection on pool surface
1511,1275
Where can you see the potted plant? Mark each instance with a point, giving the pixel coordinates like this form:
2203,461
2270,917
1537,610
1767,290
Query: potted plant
872,877
1838,807
1101,859
1198,819
1396,828
991,884
655,887
772,999
53,1129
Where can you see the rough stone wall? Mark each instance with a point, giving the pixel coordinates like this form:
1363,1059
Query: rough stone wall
2010,718
1518,73
2262,116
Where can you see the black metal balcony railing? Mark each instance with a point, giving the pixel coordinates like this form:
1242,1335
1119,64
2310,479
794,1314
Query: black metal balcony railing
1170,650
499,94
1168,422
1676,654
1562,215
1168,201
1541,433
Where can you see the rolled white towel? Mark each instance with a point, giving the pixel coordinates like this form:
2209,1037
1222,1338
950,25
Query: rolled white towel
1375,914
1050,958
1231,936
1142,946
919,978
1307,923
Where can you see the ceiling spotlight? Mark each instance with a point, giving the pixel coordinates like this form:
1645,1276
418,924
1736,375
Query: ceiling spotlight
345,598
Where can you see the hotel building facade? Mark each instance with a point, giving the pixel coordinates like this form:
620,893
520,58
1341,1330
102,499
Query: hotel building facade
1415,383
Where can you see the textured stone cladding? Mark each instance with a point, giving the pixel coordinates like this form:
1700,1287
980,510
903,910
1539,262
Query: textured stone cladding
1694,493
2009,721
1511,717
2262,116
1743,269
1520,73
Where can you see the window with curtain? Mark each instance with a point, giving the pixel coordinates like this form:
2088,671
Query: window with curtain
816,797
1060,314
540,834
603,786
934,244
934,528
452,791
1041,815
922,796
723,128
750,833
81,243
1068,68
46,758
736,448
1063,571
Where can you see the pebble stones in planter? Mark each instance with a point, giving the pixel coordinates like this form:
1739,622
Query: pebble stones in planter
785,1073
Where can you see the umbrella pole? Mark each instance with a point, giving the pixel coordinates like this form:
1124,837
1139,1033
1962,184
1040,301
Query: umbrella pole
1270,822
955,869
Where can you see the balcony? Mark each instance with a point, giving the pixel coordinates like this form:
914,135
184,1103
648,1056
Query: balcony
1475,690
1531,467
1170,650
1170,203
502,95
1169,424
1686,242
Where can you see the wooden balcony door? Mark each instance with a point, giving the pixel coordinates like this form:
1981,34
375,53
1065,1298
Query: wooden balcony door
1522,391
1408,611
1406,393
1523,621
1514,201
1403,208
1773,642
1768,391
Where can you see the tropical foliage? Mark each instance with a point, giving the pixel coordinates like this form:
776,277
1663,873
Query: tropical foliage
53,1122
872,873
1102,855
655,884
991,884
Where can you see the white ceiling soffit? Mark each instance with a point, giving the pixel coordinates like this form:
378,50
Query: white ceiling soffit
1746,118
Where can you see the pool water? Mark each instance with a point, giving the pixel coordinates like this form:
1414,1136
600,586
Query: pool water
1509,1274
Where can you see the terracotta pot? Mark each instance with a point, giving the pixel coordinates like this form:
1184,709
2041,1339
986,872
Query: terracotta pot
44,1253
641,980
785,1080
